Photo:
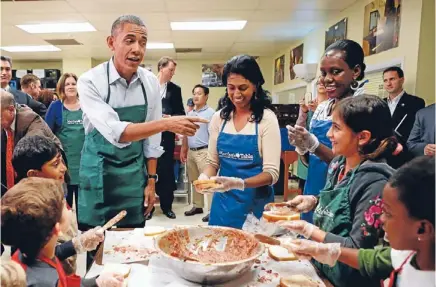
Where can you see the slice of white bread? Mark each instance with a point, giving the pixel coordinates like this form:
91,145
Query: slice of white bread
298,281
153,230
280,253
124,269
273,217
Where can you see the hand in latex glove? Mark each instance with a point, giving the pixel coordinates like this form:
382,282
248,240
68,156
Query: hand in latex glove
228,183
203,176
303,203
302,139
299,226
326,253
110,279
88,240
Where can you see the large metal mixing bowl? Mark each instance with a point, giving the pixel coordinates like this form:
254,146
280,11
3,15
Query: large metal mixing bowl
205,273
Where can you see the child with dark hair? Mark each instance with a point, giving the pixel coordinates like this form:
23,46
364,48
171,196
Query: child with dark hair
347,210
33,215
409,221
38,156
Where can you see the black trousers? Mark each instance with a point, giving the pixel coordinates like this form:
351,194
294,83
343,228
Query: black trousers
166,184
73,192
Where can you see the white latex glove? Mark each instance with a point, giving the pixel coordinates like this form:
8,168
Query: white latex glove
326,253
110,279
303,203
228,183
299,226
203,177
302,139
88,240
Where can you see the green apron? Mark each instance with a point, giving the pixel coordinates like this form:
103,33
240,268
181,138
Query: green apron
72,134
111,178
333,215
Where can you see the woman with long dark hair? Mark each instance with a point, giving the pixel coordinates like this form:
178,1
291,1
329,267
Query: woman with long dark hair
244,146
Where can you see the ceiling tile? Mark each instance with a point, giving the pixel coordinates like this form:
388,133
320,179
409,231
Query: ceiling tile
210,5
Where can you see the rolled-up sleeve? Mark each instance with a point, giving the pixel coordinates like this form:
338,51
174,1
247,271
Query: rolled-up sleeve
99,114
152,147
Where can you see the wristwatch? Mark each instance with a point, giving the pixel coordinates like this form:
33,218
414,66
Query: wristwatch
153,176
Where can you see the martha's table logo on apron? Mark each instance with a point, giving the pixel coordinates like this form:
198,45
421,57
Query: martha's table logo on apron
323,211
74,122
237,155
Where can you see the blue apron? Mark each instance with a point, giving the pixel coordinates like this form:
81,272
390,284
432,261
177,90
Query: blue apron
317,170
239,157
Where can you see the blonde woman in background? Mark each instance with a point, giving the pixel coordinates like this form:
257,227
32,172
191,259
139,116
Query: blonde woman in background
64,117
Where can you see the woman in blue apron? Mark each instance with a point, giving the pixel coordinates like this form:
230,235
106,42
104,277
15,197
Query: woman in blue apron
239,146
341,67
348,209
64,117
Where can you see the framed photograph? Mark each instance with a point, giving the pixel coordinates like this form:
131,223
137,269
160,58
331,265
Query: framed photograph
381,29
212,75
279,70
336,32
296,57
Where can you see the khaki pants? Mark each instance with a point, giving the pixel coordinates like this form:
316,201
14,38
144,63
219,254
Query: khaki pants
195,164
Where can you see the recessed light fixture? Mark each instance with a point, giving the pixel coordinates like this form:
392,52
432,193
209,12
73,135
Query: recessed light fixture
209,25
57,28
156,46
43,48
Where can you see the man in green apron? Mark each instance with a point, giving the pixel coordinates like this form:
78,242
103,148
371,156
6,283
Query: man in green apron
122,118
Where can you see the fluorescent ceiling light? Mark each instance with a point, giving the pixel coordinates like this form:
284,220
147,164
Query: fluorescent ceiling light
155,46
209,25
57,28
16,49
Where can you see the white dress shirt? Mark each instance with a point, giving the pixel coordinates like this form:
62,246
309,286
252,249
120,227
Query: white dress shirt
393,103
163,90
92,87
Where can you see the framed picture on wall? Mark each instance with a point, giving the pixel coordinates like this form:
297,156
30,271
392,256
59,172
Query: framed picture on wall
279,70
336,32
296,57
212,75
381,30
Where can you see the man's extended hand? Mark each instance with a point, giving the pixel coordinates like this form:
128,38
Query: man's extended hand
149,196
184,125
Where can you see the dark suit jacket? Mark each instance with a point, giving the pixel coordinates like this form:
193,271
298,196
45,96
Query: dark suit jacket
27,123
22,98
406,108
423,131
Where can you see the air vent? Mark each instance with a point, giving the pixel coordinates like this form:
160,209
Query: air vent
188,50
63,42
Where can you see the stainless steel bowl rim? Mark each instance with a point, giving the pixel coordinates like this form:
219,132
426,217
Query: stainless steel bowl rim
259,253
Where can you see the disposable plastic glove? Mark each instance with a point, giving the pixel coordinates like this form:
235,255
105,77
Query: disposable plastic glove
88,240
303,203
203,176
299,226
326,253
110,279
228,183
302,139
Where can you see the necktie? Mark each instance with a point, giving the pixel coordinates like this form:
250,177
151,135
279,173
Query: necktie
10,173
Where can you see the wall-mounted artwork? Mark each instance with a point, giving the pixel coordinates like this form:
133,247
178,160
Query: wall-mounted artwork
336,32
296,57
212,75
279,70
381,28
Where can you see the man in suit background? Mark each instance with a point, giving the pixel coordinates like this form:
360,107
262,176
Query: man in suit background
403,109
20,97
422,137
172,105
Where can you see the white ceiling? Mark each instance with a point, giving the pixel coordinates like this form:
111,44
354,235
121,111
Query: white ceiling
272,25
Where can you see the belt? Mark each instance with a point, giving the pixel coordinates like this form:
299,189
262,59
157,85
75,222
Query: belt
198,148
